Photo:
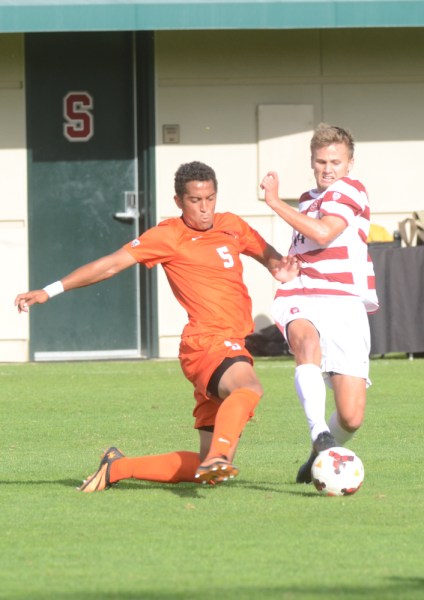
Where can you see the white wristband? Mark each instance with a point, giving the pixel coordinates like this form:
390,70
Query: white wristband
53,289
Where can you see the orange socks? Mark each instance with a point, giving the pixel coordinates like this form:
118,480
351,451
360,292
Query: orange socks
233,414
174,467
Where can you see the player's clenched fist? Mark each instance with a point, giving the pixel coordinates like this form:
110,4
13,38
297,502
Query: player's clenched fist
270,184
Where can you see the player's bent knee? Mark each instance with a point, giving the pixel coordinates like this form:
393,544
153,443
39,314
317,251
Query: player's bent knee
252,395
351,423
257,389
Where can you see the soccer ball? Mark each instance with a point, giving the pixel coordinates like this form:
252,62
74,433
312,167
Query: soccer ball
337,472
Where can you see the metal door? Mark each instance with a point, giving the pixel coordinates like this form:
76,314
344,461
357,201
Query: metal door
83,190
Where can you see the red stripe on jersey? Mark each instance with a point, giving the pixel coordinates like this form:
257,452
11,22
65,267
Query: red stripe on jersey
311,291
371,282
355,183
362,235
338,253
338,277
305,196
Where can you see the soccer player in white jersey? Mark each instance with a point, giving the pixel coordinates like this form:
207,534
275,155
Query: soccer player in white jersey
323,311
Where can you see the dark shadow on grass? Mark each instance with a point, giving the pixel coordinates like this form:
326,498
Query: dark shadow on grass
395,588
65,482
280,488
416,582
191,490
183,490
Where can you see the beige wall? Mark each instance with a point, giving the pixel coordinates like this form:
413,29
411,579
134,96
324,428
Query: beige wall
212,84
13,199
371,81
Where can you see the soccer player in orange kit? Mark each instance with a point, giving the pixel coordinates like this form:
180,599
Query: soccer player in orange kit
200,253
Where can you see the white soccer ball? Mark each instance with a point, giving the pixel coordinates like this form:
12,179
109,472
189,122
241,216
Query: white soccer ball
337,472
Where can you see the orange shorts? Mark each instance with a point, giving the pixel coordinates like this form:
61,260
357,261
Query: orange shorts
199,356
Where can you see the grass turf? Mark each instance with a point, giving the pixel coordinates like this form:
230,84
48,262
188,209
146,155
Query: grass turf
259,537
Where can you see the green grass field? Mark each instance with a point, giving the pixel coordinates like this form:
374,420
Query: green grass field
259,537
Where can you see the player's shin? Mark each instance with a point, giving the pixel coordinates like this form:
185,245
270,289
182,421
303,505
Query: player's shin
173,467
232,416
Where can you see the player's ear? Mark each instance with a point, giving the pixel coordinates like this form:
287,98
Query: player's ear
351,164
178,201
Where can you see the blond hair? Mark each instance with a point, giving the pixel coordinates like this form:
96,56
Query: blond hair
325,134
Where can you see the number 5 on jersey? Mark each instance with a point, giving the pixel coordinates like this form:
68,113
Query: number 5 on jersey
224,253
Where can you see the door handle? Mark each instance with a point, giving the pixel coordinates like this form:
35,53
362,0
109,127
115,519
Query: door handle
131,212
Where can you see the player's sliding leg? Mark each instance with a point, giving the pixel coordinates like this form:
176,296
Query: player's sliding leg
231,418
173,467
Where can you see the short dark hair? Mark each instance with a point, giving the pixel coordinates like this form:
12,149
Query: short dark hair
193,171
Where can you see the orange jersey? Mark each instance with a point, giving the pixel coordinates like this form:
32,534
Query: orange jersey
204,270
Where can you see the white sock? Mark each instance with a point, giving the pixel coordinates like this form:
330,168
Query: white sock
310,388
339,434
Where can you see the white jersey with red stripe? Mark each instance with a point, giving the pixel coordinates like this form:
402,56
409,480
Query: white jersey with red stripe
343,267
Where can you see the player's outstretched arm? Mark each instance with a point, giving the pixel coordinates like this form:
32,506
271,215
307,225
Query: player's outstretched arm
283,268
94,272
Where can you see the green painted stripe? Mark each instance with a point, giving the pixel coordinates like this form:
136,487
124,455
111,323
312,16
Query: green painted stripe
139,15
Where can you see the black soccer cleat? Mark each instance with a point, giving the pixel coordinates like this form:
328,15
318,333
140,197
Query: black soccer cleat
323,442
100,480
304,474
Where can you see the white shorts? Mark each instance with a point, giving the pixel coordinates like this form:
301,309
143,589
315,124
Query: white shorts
343,327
